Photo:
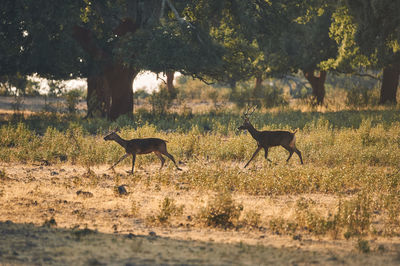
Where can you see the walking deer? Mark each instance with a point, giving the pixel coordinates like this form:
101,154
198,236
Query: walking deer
267,139
141,146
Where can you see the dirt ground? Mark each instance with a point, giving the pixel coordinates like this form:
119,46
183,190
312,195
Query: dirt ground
55,215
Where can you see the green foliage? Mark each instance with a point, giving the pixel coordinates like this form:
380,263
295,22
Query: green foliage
19,82
140,94
368,14
353,155
262,96
72,98
160,101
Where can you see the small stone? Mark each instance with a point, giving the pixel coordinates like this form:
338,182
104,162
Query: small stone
84,194
122,190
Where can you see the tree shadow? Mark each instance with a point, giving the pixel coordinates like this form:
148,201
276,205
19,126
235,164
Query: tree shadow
46,245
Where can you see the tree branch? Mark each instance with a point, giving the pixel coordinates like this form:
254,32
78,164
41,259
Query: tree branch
181,20
158,77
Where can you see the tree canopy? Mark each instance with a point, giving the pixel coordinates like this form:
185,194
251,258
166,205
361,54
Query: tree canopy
109,42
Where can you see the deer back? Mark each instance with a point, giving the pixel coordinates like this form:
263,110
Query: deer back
276,138
147,145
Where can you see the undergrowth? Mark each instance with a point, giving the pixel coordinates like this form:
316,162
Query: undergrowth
352,155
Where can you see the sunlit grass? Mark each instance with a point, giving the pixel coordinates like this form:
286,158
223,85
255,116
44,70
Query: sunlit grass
348,154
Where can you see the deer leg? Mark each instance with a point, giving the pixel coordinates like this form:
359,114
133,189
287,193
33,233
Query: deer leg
290,155
161,158
290,150
172,159
123,157
133,164
299,154
254,155
266,155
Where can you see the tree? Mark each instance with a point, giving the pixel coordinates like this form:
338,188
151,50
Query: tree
307,44
367,33
285,37
378,36
107,42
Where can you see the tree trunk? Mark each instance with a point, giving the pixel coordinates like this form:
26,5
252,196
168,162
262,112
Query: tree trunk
390,83
317,84
170,80
170,84
98,97
258,82
121,79
104,101
110,91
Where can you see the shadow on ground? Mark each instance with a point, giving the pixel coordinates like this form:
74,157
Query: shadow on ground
38,245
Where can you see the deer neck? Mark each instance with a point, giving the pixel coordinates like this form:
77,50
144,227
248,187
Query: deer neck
253,132
120,141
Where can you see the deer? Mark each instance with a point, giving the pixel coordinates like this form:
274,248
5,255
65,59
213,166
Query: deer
141,146
267,139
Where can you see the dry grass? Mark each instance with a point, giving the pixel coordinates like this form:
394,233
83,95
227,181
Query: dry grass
37,194
343,203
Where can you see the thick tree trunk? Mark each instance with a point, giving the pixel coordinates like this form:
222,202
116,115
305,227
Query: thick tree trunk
110,91
317,84
170,80
111,101
121,79
98,97
390,83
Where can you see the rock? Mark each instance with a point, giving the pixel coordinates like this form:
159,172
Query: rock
84,194
121,190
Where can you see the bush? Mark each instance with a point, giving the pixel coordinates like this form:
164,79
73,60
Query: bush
72,98
168,208
161,101
266,96
221,211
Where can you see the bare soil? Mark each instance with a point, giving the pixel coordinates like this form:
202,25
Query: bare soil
44,219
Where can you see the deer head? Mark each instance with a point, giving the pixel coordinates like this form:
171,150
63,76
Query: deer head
112,136
246,116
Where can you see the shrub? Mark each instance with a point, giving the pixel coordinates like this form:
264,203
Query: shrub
251,219
168,208
360,97
221,211
161,101
72,98
266,96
